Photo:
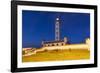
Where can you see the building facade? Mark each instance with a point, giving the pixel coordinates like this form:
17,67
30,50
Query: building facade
55,43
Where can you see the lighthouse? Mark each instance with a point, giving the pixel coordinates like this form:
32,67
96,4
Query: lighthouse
57,29
57,41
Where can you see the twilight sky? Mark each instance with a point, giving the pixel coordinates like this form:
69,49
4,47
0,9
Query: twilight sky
40,25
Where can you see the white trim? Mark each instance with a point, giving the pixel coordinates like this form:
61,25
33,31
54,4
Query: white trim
53,63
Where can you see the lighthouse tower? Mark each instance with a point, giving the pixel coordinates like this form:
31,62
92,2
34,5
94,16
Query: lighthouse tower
57,29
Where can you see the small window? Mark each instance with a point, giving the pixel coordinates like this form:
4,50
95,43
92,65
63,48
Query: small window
52,44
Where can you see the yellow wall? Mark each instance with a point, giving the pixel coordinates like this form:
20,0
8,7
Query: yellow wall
85,45
71,46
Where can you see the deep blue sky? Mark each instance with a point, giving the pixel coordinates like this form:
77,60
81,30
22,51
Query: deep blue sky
40,25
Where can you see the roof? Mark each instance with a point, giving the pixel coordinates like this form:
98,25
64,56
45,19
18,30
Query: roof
45,42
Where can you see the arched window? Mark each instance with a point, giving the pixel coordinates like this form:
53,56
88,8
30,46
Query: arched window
52,44
62,44
48,44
